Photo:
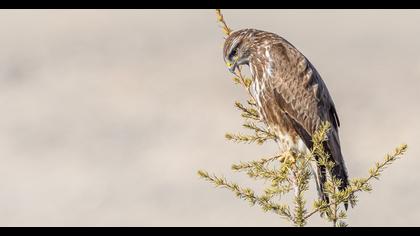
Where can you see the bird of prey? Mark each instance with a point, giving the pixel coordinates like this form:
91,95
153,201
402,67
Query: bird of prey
291,97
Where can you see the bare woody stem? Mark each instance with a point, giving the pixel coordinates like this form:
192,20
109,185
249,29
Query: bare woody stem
221,20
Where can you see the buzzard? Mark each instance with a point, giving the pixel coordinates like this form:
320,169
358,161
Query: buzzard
291,97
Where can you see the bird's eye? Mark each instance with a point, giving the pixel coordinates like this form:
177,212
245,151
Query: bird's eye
233,53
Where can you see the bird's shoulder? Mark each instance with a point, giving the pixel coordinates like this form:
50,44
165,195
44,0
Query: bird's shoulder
299,88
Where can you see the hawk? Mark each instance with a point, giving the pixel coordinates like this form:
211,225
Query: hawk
291,97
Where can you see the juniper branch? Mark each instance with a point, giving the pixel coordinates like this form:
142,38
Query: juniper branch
248,112
242,138
249,195
253,164
260,130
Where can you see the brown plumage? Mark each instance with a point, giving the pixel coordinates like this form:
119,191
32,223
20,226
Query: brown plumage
292,98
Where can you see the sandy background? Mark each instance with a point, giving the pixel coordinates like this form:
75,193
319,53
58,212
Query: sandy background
106,115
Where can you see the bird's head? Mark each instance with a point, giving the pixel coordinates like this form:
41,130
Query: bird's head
236,50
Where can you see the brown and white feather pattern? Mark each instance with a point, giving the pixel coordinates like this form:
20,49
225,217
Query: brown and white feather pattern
292,98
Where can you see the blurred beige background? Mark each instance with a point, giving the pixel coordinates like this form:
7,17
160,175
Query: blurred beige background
106,115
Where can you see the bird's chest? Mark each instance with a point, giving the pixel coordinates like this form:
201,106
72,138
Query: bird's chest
263,93
273,115
260,88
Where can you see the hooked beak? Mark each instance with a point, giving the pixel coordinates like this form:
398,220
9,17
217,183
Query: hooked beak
232,67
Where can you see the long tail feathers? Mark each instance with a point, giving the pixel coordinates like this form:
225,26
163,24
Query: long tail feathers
339,172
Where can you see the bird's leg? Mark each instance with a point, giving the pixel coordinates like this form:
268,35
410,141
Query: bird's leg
290,161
